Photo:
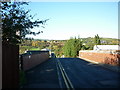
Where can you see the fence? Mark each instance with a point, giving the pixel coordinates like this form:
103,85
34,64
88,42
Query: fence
10,66
33,58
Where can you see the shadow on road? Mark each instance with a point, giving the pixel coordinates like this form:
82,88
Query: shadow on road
43,76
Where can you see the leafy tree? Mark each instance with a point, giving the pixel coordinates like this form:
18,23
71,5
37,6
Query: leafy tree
72,47
16,22
97,40
58,50
67,48
83,47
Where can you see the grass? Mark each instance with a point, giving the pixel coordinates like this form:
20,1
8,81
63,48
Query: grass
24,48
22,78
35,49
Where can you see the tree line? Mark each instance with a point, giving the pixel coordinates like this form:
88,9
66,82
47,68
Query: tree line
69,48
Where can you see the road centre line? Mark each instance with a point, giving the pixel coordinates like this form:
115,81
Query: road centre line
65,77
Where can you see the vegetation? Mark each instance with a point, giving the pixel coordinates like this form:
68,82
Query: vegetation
22,78
72,47
16,22
35,49
90,42
57,46
97,40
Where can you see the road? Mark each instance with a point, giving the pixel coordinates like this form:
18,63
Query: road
82,74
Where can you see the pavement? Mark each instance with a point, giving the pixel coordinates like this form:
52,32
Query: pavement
43,76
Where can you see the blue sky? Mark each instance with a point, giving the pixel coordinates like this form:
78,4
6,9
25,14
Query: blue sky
70,19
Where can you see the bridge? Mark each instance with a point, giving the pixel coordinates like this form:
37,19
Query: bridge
70,73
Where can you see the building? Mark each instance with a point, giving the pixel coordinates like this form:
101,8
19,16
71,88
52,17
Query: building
105,54
106,47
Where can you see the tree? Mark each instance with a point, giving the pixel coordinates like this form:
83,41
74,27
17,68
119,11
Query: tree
97,40
72,47
16,22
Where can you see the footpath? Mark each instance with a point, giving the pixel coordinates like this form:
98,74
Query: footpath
43,76
107,66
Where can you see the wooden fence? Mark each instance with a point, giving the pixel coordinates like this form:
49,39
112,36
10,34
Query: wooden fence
10,66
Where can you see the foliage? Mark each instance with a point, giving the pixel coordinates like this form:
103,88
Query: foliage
72,47
16,22
35,49
58,50
22,78
24,48
57,45
90,42
97,40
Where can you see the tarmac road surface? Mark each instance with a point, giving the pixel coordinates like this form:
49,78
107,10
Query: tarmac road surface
82,74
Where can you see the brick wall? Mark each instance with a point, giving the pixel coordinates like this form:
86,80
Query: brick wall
30,61
106,58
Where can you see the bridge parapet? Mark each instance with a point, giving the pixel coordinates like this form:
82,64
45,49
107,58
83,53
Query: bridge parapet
33,58
102,56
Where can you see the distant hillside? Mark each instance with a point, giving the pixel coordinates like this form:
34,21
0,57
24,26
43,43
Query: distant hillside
56,45
104,41
89,40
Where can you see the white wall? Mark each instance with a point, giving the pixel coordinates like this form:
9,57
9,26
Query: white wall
106,47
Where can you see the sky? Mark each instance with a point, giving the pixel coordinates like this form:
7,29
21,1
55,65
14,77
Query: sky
70,19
